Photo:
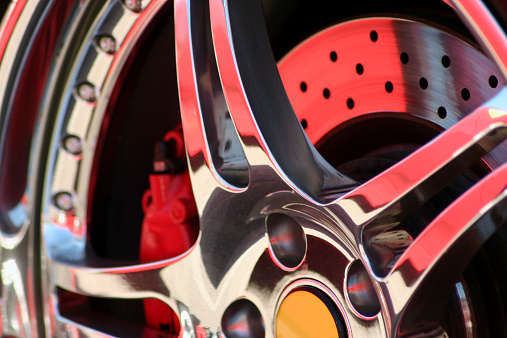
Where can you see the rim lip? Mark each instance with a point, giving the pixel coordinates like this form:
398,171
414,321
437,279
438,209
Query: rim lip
303,283
88,157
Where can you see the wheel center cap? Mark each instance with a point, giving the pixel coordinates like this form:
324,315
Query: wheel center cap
308,313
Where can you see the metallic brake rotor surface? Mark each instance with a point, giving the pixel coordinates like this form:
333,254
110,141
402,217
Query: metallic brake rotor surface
378,65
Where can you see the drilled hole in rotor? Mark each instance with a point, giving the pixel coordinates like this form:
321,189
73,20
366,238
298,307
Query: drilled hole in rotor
326,93
304,123
442,112
333,56
287,241
373,36
389,87
303,86
243,319
446,61
350,103
493,81
465,94
423,83
404,58
359,69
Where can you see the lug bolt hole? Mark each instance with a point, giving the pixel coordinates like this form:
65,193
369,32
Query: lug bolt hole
360,291
287,241
243,319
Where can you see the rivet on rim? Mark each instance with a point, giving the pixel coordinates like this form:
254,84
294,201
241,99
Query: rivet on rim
63,200
72,144
134,5
86,91
106,43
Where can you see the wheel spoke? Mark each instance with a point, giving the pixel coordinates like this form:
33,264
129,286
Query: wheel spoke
266,123
126,282
385,200
210,136
163,280
441,252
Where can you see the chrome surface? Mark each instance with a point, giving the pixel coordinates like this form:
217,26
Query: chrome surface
466,309
19,257
360,291
287,241
234,278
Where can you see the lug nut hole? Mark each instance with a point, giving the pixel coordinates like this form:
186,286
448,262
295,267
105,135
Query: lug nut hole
361,291
243,319
287,241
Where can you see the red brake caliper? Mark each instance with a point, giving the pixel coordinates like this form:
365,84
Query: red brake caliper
170,225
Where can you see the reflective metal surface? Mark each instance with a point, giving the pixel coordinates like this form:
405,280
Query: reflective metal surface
275,216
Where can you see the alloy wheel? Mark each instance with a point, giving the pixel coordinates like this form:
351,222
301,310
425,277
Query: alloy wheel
286,218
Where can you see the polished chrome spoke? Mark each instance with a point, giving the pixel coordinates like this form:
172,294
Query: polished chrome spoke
137,281
382,202
439,254
437,257
203,107
269,130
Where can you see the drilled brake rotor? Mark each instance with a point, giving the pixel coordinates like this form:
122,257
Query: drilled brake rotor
379,65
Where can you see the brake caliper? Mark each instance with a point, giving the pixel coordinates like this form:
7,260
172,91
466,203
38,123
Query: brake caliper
170,225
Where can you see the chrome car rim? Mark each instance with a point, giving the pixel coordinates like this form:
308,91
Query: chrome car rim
276,218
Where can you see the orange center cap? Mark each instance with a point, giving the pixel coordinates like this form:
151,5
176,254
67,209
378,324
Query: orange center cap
304,314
